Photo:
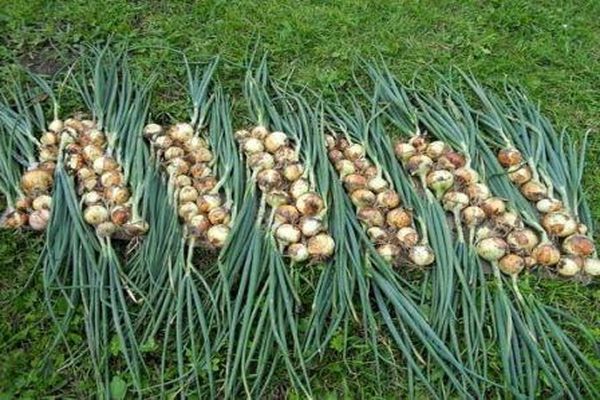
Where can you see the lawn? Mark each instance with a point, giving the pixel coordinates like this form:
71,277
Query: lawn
553,51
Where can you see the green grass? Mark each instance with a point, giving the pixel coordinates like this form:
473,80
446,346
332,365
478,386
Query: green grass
552,51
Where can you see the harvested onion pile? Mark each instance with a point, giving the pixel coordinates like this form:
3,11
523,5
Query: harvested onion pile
32,210
389,225
107,203
298,210
499,234
577,250
187,159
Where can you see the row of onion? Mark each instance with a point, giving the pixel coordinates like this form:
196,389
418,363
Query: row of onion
389,225
298,211
187,160
101,185
498,233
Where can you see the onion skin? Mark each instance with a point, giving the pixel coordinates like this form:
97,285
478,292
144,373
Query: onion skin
388,199
435,149
578,245
421,255
287,213
455,201
389,252
298,252
36,181
549,205
559,224
492,249
354,152
419,165
523,240
404,151
569,266
520,175
354,182
399,218
510,157
466,176
493,206
591,266
199,225
363,198
321,246
407,237
478,192
217,235
95,215
546,254
473,216
534,190
310,204
275,141
288,233
511,264
371,216
419,142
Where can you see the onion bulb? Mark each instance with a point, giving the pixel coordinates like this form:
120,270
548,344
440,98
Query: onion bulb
199,224
388,199
218,216
335,155
363,198
435,149
23,203
104,164
205,184
578,245
591,266
421,255
111,178
293,172
173,152
509,220
455,201
310,226
14,219
253,146
106,229
493,206
259,132
354,182
56,126
377,234
399,218
198,170
183,180
456,159
119,215
419,165
38,220
362,164
546,254
152,130
404,151
569,266
288,233
42,202
85,173
389,252
268,179
207,202
187,194
466,176
276,198
520,175
217,235
407,237
491,249
321,246
95,214
74,162
241,134
473,216
117,194
510,157
299,188
286,213
534,190
559,223
201,155
298,252
418,142
523,240
181,132
36,181
354,152
195,144
329,141
49,139
91,152
345,167
549,205
511,264
478,192
371,216
274,141
377,184
187,210
310,204
285,155
440,181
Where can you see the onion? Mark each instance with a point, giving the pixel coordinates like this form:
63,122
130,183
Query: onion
298,252
181,132
274,141
119,215
493,206
569,266
49,166
286,213
546,254
478,192
259,132
511,264
466,176
91,152
269,179
399,218
578,245
421,255
559,223
484,232
195,144
117,194
329,141
201,155
85,173
455,158
377,184
178,166
207,202
49,139
253,146
188,194
152,130
404,151
549,205
388,199
418,142
343,144
23,203
389,252
510,157
354,182
48,154
354,152
88,184
371,172
419,165
163,142
321,246
187,210
74,162
205,184
310,204
38,220
473,216
435,149
407,237
371,216
288,233
455,201
174,152
136,228
218,216
241,134
520,175
95,214
111,178
36,181
335,155
299,188
106,229
522,240
491,249
345,167
217,235
75,124
440,181
310,226
377,235
276,198
582,229
182,180
591,266
199,224
96,137
104,164
529,261
198,170
363,198
534,190
362,164
293,172
509,221
14,219
56,126
42,202
285,155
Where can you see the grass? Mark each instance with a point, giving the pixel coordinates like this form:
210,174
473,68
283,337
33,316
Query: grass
550,50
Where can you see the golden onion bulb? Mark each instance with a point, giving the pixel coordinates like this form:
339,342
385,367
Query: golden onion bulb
91,198
398,218
377,234
42,202
440,181
111,178
298,188
95,214
276,198
288,233
217,235
198,225
510,157
207,202
435,149
253,146
407,237
91,152
56,126
466,176
388,199
261,161
559,223
363,198
36,181
478,192
152,130
181,132
259,132
104,164
419,142
419,165
389,252
522,240
371,216
187,194
421,255
195,144
310,204
163,142
377,184
569,266
511,264
404,151
354,182
285,155
534,190
310,226
520,175
549,205
345,167
493,206
321,246
187,210
120,215
38,220
275,141
578,245
546,254
286,213
173,152
298,252
354,152
293,172
117,194
591,266
219,215
491,249
455,201
106,229
473,216
269,179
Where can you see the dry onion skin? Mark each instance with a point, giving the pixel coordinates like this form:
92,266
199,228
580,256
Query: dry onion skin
389,225
298,210
187,159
